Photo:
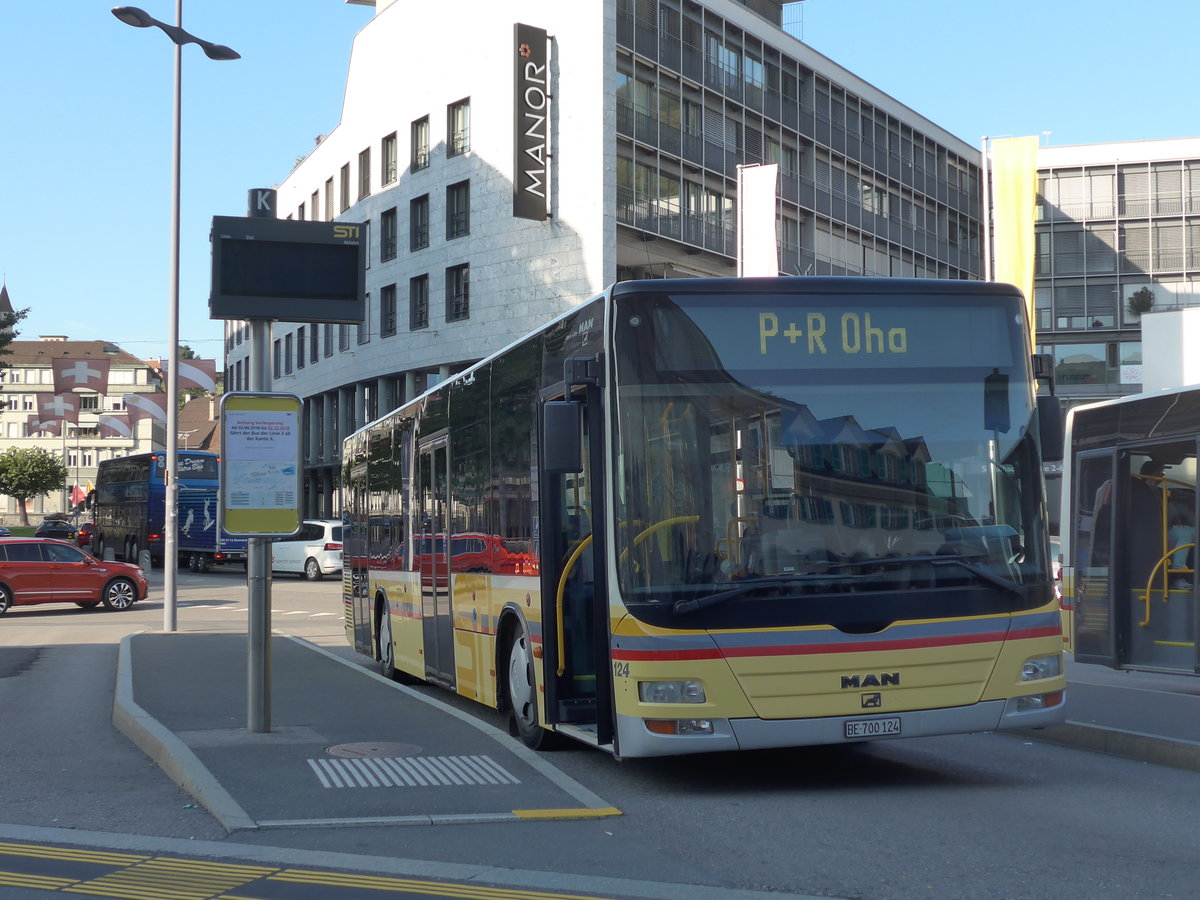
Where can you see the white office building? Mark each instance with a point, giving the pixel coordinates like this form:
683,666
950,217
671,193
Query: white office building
507,173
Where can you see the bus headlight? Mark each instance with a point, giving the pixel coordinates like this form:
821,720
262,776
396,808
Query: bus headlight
1042,667
671,692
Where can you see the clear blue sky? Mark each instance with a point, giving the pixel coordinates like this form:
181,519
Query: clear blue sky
85,120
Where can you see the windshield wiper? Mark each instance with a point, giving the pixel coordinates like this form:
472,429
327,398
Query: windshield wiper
749,586
944,559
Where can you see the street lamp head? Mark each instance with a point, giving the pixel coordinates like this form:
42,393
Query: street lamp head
219,51
139,18
131,15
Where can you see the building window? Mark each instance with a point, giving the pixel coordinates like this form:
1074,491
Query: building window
458,128
418,302
387,310
89,402
387,172
418,222
329,340
329,200
458,210
345,186
387,234
364,173
300,213
314,351
420,143
315,210
364,327
288,350
343,337
301,347
278,359
458,302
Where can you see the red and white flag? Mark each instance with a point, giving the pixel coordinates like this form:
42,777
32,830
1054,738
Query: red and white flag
195,373
111,426
80,373
34,425
146,406
58,407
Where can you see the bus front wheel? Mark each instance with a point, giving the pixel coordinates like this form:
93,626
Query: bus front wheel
522,691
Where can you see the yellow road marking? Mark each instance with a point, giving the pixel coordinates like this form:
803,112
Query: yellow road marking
34,882
172,879
441,889
587,813
72,855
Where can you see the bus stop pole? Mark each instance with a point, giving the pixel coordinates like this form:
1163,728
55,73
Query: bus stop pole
258,567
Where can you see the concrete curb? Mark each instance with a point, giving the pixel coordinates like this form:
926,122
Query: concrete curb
171,754
1117,742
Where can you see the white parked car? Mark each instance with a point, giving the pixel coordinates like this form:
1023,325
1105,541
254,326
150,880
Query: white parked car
313,553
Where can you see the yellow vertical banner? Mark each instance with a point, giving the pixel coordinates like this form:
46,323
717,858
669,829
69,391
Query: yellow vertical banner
1014,205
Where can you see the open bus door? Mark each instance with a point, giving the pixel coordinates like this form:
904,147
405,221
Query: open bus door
1096,621
575,616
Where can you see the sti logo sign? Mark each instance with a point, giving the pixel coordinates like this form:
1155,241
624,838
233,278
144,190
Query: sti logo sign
531,125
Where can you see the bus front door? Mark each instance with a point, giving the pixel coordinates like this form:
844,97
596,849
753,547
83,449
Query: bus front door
432,558
575,624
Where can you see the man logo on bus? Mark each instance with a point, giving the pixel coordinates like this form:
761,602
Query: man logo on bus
861,681
872,701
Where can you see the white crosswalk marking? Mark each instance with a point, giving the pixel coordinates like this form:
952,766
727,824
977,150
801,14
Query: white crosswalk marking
410,771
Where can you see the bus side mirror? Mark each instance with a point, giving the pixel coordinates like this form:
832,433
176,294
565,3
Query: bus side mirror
1050,424
562,447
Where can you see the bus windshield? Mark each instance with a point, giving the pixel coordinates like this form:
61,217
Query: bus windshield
845,459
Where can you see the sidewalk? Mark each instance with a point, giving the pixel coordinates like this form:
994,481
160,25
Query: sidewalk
1141,715
346,746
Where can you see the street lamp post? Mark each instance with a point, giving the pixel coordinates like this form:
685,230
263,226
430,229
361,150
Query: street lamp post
131,15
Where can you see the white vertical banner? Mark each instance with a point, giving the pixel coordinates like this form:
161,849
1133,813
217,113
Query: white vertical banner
758,245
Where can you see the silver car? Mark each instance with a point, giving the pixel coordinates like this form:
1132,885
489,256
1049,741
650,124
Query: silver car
313,553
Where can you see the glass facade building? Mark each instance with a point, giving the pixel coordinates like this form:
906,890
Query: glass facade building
1117,235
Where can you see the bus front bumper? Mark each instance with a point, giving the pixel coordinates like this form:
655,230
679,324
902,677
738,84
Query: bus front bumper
635,739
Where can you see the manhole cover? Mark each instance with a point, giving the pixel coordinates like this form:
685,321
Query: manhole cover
372,749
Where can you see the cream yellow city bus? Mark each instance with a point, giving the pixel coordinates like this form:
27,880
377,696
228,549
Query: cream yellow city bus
723,514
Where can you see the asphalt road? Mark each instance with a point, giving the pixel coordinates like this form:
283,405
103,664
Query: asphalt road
978,816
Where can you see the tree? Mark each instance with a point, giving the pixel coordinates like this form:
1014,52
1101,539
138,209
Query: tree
1141,301
28,472
8,332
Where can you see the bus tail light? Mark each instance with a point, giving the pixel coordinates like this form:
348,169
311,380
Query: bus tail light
153,538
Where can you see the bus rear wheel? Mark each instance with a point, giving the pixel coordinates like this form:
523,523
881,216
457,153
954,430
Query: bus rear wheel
387,651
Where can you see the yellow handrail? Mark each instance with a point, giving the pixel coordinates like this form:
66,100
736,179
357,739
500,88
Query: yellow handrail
1166,572
657,526
558,600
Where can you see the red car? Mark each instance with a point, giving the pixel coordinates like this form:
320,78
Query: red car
42,570
83,537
